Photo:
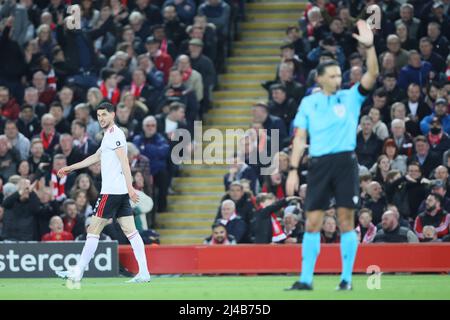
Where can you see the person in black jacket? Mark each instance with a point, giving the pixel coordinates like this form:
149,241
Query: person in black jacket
266,228
392,232
235,225
260,112
281,106
81,60
243,204
427,159
368,146
21,208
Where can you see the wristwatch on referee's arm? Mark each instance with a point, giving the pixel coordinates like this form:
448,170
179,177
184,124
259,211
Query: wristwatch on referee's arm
293,168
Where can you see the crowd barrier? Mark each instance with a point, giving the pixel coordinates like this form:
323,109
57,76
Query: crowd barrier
269,259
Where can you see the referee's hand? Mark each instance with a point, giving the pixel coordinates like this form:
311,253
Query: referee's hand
292,183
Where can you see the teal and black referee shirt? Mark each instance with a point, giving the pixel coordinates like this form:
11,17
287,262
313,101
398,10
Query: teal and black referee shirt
331,121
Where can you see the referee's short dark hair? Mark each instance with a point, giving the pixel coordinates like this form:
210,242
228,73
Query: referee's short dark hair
106,105
322,66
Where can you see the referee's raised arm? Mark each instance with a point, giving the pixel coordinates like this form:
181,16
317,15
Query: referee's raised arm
365,37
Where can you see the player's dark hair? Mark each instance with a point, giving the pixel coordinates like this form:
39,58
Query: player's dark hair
324,65
108,106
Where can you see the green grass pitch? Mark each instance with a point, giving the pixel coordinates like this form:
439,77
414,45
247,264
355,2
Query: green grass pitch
434,287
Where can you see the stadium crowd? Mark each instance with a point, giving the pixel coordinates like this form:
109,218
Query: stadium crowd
157,62
402,139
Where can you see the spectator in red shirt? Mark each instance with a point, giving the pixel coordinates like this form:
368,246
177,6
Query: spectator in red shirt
434,216
162,61
73,221
57,232
108,86
9,108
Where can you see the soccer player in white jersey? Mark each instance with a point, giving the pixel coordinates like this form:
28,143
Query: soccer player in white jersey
114,199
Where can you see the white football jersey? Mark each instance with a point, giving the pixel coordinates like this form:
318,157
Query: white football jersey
113,180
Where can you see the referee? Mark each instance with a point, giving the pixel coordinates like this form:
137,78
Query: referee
330,117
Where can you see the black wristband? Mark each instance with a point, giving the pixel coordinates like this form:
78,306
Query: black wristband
292,168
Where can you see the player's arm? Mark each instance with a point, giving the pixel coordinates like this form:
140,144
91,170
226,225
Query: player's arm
298,148
82,164
121,154
365,37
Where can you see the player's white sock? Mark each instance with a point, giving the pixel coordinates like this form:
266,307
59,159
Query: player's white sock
90,246
139,252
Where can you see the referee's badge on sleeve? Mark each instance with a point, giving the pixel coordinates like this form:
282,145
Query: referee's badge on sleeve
339,110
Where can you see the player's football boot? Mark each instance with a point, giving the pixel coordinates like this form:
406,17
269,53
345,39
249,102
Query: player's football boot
299,286
140,279
344,286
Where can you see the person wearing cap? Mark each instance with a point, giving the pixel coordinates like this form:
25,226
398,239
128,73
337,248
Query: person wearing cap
280,105
433,215
438,187
439,140
163,62
440,112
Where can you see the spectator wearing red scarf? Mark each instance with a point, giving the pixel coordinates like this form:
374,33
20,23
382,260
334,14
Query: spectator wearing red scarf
108,86
267,228
144,92
48,135
275,184
57,232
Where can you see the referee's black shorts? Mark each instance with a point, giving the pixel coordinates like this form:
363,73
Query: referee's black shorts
113,206
332,175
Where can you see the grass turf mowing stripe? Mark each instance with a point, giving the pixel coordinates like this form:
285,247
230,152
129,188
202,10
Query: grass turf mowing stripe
403,287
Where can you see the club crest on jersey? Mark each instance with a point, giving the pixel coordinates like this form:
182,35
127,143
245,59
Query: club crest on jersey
339,110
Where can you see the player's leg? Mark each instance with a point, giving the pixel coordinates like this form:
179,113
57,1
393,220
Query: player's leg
128,226
347,195
126,222
317,200
90,246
